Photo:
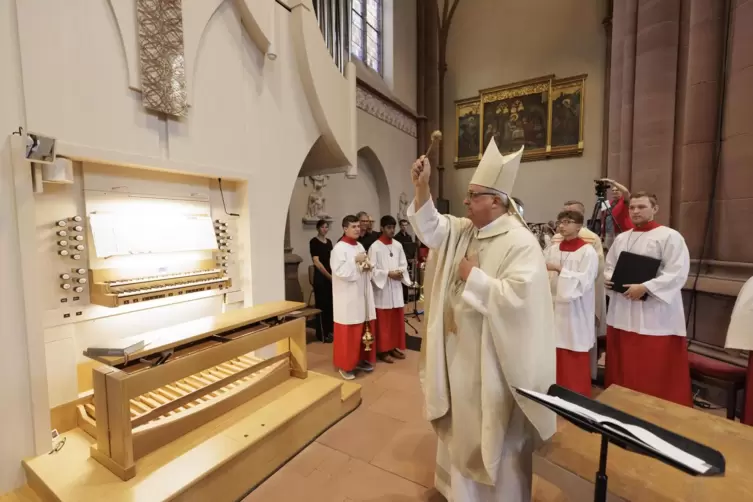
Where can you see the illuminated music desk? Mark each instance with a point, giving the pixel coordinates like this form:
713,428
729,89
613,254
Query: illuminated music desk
563,469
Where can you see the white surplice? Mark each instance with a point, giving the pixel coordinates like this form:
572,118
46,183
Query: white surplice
662,313
573,296
388,293
599,291
483,337
352,294
740,330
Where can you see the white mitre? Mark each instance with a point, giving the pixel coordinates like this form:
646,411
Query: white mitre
498,172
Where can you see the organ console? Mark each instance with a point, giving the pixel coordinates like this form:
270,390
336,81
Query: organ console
114,287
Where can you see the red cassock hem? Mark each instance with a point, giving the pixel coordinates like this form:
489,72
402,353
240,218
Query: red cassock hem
390,329
348,345
574,371
748,409
654,365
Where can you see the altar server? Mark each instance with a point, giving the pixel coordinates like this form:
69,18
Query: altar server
389,274
489,329
599,293
646,342
353,302
573,266
740,337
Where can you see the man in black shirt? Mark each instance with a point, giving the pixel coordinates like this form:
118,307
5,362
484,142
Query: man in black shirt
368,237
403,236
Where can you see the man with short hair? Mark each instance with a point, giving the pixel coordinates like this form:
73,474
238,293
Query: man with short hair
366,236
353,302
646,339
403,236
489,329
599,293
389,274
573,267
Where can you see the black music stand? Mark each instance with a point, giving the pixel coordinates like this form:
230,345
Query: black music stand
411,249
625,439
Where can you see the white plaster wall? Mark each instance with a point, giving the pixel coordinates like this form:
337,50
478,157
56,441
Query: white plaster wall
249,120
16,417
495,42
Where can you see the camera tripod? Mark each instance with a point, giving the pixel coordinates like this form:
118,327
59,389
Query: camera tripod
416,280
593,223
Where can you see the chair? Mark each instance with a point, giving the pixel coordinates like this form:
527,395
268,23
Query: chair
311,283
720,374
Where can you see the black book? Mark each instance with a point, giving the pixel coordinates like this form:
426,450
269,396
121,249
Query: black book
634,268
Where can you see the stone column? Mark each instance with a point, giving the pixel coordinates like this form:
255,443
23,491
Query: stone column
293,291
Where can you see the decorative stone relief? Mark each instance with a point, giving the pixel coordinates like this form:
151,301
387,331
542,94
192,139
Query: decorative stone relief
402,212
384,111
316,204
163,72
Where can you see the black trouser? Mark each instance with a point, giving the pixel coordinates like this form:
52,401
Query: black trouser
323,300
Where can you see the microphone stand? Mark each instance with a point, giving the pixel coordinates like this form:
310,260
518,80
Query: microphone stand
416,280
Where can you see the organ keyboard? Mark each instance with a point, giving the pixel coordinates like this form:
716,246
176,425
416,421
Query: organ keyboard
110,289
185,376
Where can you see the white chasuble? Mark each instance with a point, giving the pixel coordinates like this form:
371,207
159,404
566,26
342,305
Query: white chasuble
352,295
573,294
498,334
387,255
662,313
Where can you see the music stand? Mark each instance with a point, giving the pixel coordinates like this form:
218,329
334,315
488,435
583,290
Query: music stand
411,249
625,439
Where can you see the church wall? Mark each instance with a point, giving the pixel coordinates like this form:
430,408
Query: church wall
248,121
534,38
17,432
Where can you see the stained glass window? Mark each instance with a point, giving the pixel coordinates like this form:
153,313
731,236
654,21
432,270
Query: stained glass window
366,38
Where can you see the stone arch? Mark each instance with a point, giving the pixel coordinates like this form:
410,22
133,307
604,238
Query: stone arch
368,158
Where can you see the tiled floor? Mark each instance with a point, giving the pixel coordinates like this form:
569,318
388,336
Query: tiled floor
382,452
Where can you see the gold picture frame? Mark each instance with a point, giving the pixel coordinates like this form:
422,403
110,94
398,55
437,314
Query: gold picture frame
567,116
467,132
517,114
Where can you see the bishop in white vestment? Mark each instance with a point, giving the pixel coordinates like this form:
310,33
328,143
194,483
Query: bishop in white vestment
389,274
740,336
489,329
646,340
573,266
352,301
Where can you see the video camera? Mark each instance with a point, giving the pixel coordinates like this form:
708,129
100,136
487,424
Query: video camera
601,188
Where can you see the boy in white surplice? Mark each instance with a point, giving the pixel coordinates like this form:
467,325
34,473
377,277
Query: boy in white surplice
389,274
573,266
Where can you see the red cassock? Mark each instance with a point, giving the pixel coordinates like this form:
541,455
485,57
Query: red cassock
748,409
390,329
654,365
574,371
348,345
